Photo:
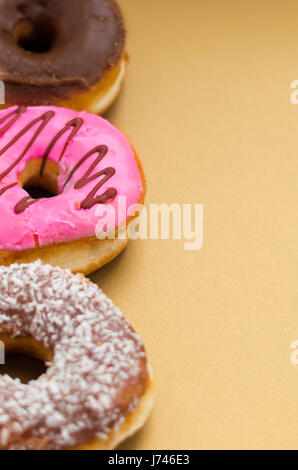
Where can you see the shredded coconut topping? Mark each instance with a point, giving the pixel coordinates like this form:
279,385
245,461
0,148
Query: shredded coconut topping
97,359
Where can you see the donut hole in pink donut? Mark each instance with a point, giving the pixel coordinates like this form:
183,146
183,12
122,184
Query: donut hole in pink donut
37,186
35,35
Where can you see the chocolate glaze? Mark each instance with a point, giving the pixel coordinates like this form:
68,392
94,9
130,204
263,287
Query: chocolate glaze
86,38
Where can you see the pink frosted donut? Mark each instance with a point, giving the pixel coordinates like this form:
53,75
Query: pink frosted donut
90,169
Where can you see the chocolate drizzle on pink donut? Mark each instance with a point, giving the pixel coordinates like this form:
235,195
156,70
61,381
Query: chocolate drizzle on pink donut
110,193
87,162
6,188
75,125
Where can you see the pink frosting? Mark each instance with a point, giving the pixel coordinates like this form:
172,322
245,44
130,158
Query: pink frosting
58,219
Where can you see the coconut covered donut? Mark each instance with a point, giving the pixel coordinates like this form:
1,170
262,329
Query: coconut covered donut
97,388
90,170
68,53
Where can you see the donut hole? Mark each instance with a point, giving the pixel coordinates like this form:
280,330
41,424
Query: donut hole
23,367
37,186
25,358
37,192
36,36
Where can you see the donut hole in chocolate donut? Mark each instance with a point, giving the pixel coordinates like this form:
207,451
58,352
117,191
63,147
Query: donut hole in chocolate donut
37,186
37,36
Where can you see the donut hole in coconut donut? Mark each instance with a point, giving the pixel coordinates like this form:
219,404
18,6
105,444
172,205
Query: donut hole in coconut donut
24,358
37,186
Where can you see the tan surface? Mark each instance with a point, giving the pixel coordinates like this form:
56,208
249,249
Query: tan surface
206,103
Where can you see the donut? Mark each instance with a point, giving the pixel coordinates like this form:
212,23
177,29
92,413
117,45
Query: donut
90,171
68,53
97,389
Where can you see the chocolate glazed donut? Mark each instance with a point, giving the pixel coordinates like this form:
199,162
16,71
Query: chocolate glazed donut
68,53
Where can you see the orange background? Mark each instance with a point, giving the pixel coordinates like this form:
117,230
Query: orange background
206,103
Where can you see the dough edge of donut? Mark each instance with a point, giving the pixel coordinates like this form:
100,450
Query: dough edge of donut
134,421
103,93
95,100
84,256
